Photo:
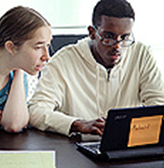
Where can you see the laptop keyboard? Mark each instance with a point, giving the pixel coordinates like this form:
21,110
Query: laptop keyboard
94,146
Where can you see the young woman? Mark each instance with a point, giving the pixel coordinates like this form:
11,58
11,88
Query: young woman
25,36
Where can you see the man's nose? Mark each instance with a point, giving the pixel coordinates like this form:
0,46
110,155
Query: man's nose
117,45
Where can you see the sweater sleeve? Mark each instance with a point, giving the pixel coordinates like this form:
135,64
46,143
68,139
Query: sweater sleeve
45,107
151,82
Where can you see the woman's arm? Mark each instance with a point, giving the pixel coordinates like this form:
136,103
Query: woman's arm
15,114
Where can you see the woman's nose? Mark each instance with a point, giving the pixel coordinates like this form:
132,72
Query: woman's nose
46,56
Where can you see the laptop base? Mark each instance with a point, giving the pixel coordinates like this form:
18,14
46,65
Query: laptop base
90,149
135,153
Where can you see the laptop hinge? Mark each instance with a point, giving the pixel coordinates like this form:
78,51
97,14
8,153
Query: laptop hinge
134,153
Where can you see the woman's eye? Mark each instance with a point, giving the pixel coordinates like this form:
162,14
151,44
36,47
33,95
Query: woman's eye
48,46
38,47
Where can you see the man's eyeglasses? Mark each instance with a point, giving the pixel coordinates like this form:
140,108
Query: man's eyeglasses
126,41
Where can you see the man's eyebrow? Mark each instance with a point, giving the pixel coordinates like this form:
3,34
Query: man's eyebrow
108,32
113,34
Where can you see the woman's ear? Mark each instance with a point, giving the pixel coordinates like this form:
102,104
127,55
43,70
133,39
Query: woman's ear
10,47
91,32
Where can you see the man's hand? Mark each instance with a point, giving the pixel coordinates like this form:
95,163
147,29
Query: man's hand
94,127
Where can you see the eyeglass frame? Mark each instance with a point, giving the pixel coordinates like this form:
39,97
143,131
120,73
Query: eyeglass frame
116,41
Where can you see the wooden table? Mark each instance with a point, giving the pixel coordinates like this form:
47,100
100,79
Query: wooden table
67,155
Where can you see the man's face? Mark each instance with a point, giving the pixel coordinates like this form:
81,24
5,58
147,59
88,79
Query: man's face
115,28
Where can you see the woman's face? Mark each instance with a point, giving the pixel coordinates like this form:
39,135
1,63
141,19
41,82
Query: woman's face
33,54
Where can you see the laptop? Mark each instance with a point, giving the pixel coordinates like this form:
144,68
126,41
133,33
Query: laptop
129,133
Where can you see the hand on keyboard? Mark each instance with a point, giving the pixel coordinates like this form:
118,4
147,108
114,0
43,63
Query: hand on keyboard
94,127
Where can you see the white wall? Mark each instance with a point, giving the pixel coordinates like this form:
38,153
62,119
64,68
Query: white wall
75,16
149,26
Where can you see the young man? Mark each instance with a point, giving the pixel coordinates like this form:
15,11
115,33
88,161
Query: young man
106,70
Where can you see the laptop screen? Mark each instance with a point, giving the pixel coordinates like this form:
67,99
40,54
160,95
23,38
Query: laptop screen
133,128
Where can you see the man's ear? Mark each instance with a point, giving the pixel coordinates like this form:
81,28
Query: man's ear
91,32
10,47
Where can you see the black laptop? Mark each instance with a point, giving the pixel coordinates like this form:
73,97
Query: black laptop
129,133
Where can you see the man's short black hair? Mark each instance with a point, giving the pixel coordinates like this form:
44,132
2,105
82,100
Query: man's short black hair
112,8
